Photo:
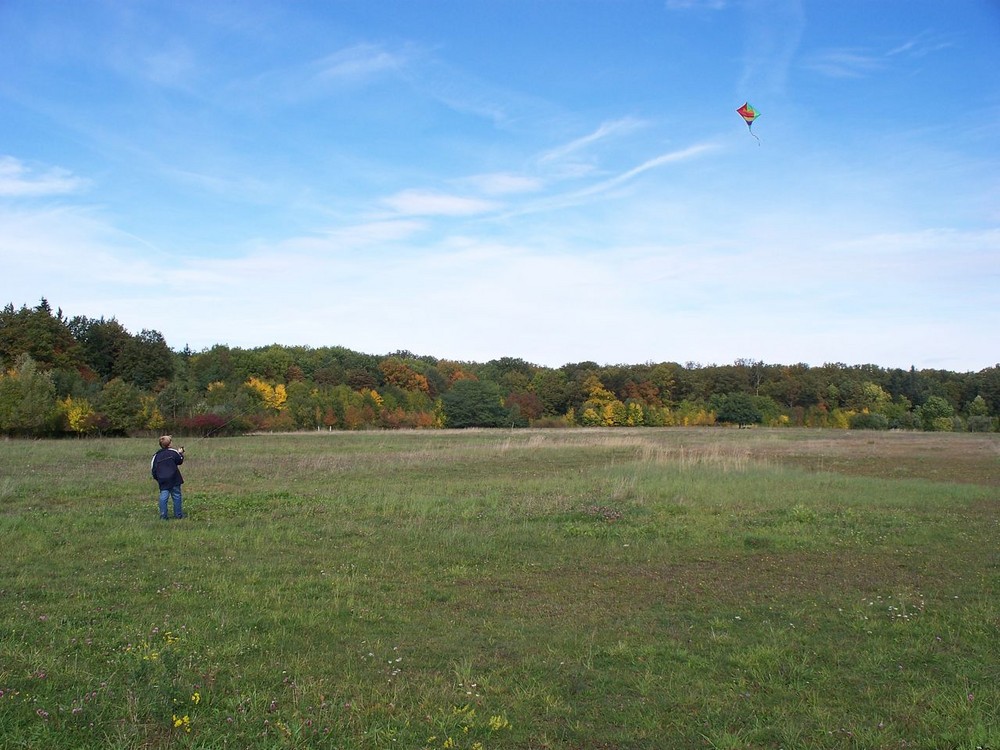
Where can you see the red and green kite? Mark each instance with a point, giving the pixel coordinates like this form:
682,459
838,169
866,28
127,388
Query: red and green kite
749,114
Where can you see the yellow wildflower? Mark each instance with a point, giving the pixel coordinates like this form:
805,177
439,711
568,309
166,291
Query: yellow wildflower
182,722
499,722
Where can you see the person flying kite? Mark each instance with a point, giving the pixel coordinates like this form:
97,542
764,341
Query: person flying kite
749,114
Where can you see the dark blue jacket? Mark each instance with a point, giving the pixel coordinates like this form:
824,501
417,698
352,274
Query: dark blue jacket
164,467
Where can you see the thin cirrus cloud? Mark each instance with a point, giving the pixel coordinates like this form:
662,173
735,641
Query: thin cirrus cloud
603,132
850,62
350,66
921,45
845,63
684,154
583,195
503,183
356,63
431,203
19,180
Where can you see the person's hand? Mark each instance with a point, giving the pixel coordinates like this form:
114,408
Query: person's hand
181,449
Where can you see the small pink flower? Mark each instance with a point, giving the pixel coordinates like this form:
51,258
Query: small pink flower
971,697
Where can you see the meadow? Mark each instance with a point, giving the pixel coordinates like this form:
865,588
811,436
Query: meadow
476,590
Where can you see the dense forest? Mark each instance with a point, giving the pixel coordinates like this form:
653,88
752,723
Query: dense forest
86,376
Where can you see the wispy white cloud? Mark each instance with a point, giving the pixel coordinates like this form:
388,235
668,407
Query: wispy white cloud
853,62
772,34
43,249
684,300
603,132
844,63
173,66
464,92
373,233
559,201
503,183
357,63
19,180
696,4
921,45
672,157
430,203
352,66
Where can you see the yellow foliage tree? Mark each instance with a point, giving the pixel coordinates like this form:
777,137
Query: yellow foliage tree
151,415
216,393
635,416
273,396
79,414
601,406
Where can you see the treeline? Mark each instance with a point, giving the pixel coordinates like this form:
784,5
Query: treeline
83,376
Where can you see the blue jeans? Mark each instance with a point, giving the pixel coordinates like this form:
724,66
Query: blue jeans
175,493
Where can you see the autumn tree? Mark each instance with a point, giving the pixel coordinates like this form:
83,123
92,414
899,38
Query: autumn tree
80,415
601,407
398,373
271,396
454,371
525,406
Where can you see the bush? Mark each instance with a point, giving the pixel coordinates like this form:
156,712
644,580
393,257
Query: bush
908,420
551,422
868,421
940,424
980,424
216,425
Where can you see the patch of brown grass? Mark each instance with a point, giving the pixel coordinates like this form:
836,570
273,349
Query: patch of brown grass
972,458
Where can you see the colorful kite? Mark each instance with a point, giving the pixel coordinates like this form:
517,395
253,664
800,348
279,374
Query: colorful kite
749,114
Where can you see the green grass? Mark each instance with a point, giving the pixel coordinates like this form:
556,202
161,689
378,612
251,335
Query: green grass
530,589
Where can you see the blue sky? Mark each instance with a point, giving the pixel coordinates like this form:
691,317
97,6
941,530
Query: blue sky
472,179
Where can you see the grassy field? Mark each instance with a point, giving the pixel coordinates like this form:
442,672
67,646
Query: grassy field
564,589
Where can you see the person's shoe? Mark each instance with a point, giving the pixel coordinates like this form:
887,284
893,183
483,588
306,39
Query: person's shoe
180,516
